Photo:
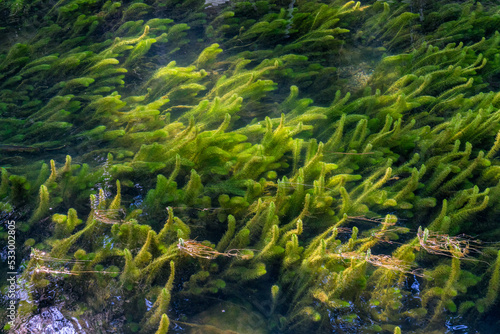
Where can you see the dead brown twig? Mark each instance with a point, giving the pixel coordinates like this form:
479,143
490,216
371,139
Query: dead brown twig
43,256
379,220
196,249
384,235
107,216
384,261
43,261
443,244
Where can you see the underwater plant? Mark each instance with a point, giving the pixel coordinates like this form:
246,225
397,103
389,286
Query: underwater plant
332,165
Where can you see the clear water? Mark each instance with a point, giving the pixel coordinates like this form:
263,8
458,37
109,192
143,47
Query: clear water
72,301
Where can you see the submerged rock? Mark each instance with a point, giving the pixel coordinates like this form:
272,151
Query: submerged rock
228,318
49,321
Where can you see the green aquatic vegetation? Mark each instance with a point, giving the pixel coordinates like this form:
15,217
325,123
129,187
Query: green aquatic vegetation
65,223
485,303
43,205
394,28
133,264
471,21
313,29
446,293
164,324
246,161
